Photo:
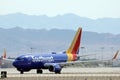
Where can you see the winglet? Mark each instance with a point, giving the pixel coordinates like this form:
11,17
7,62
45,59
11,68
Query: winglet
115,55
4,54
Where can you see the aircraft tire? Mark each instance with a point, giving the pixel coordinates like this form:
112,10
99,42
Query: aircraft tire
39,71
57,72
21,72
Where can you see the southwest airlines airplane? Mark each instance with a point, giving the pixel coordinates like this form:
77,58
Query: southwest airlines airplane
53,62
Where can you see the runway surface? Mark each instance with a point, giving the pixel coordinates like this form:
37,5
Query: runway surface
67,74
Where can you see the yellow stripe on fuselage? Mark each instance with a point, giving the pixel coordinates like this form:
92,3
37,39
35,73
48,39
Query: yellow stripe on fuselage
70,56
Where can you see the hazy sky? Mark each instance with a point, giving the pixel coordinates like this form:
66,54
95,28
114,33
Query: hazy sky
84,8
93,9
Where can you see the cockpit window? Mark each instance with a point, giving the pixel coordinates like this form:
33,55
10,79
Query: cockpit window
19,59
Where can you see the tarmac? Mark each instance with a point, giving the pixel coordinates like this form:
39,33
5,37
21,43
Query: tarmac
66,74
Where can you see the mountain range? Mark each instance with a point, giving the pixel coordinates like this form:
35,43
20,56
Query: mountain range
22,33
19,41
66,21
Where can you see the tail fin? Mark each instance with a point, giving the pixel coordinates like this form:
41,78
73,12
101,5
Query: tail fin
115,55
74,47
4,54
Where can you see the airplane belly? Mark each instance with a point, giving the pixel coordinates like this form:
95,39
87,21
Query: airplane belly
36,65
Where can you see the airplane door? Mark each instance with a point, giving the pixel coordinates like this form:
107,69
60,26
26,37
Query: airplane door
29,60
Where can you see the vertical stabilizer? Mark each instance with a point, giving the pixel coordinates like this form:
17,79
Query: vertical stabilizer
115,56
4,54
74,47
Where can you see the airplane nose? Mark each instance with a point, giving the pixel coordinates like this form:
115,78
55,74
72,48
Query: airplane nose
15,63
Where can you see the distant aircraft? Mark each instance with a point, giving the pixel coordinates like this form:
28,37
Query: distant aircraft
3,57
115,61
115,55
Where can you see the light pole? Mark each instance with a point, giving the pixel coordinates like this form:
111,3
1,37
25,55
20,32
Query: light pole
102,48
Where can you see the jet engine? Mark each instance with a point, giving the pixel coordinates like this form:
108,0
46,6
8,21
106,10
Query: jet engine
55,68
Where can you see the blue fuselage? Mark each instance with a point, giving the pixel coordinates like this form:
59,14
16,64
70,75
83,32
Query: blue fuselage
27,62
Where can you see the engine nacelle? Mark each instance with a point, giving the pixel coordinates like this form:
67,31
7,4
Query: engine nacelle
55,68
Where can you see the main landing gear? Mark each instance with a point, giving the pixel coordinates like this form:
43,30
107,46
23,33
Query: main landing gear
21,72
39,71
58,72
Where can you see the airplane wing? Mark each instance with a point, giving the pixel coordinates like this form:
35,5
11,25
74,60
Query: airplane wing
81,62
64,64
90,61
